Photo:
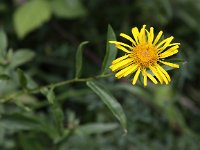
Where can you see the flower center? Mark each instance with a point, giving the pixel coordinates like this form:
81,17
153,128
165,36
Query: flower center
145,55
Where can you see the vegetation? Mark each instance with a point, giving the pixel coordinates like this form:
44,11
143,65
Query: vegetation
58,93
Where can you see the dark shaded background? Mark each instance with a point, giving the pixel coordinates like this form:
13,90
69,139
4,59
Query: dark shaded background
159,117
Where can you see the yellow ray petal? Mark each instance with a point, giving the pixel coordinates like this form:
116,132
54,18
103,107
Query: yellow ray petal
123,49
121,43
151,35
166,43
170,49
120,59
169,64
152,78
128,38
136,76
169,53
135,33
164,72
121,64
144,73
158,37
131,70
142,36
155,72
126,71
162,75
175,44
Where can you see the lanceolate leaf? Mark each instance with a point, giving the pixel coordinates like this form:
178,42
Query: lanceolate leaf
111,50
110,102
3,43
79,57
95,128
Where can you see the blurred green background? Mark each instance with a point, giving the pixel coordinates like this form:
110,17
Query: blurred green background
43,36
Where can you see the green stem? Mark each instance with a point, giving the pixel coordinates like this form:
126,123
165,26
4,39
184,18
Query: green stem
55,85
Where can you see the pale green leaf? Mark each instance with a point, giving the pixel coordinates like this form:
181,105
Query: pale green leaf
21,56
31,16
96,128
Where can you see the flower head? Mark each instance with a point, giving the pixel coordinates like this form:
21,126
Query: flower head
145,56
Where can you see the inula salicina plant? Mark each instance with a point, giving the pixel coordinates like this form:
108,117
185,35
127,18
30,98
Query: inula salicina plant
103,74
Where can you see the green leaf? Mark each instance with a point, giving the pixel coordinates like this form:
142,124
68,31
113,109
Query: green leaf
95,128
110,102
22,78
111,50
58,118
68,8
21,56
4,77
51,96
3,43
19,122
79,57
31,16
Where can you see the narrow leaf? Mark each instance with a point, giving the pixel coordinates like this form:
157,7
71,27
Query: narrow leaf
22,78
111,50
19,122
96,128
110,102
3,43
79,57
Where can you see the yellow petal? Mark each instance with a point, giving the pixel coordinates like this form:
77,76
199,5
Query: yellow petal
142,36
121,64
120,43
128,38
169,53
119,59
162,75
169,64
136,76
158,37
126,71
151,35
123,49
170,49
135,33
152,78
155,72
145,77
131,70
167,42
164,72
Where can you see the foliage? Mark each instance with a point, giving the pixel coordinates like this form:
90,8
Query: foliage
57,92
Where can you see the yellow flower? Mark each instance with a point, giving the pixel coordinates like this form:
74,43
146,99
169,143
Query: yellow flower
144,56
